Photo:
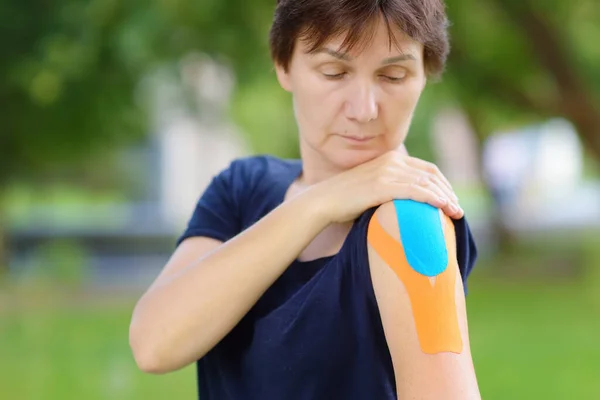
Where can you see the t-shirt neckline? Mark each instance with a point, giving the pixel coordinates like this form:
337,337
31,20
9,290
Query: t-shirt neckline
296,167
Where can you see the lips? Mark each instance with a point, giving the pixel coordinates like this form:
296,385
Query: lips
358,139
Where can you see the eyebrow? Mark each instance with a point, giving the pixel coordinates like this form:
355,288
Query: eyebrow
346,57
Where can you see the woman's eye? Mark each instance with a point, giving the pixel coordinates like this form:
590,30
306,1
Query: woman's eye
334,76
341,75
393,79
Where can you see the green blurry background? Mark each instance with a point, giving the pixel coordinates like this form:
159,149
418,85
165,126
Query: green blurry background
90,91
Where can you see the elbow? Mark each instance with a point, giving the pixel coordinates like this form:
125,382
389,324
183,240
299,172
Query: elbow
148,362
158,344
146,357
147,353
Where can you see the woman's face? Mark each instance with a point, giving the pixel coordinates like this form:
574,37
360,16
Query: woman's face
353,107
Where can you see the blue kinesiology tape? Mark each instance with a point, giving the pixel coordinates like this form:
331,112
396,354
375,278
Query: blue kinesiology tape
422,237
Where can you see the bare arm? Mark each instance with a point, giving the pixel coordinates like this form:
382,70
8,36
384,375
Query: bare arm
207,287
431,360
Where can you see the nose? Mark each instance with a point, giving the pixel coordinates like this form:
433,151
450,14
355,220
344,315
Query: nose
361,105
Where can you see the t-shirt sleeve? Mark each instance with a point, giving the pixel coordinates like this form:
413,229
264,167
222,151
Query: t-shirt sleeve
466,250
217,213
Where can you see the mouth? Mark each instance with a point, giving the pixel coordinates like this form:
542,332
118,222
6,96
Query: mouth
357,139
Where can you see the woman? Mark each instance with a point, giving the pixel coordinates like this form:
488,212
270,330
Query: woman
273,289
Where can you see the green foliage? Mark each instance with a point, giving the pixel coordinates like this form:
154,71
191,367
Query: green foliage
499,70
69,69
65,89
265,112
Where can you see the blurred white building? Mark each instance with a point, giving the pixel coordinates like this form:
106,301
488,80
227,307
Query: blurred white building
538,181
193,144
456,149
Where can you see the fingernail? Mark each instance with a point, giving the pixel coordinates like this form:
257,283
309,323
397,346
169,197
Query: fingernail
443,200
453,208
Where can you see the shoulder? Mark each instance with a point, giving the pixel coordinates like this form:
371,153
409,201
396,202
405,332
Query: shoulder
254,182
423,233
244,173
246,165
258,166
396,214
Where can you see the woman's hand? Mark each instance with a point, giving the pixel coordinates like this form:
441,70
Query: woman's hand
393,175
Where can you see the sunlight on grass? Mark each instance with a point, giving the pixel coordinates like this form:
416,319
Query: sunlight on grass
78,353
534,342
529,341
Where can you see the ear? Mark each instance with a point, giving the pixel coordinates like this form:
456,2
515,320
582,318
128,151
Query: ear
283,77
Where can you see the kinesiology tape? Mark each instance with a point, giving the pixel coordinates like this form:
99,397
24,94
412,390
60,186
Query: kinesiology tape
425,262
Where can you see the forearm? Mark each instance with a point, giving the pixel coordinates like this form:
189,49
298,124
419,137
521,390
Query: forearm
181,318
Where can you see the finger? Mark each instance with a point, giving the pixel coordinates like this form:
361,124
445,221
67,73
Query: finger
451,208
427,179
458,215
430,194
427,167
432,169
422,194
434,180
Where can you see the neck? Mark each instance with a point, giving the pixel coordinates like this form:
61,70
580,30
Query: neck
313,173
315,168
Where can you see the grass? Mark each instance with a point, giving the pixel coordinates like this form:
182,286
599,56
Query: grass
78,352
535,341
528,342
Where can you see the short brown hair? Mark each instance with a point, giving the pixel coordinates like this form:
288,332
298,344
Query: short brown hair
316,21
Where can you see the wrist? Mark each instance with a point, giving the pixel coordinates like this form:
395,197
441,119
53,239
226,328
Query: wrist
315,206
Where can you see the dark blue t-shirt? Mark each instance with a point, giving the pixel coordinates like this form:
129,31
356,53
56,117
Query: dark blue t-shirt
316,333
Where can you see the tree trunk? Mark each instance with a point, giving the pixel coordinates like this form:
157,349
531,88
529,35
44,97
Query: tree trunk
575,102
3,250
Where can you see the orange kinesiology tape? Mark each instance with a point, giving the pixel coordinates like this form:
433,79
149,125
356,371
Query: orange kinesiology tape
433,299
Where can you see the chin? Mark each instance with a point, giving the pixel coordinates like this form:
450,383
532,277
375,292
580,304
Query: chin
345,159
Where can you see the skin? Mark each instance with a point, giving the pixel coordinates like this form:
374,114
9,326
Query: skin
428,365
339,97
432,297
353,112
351,108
